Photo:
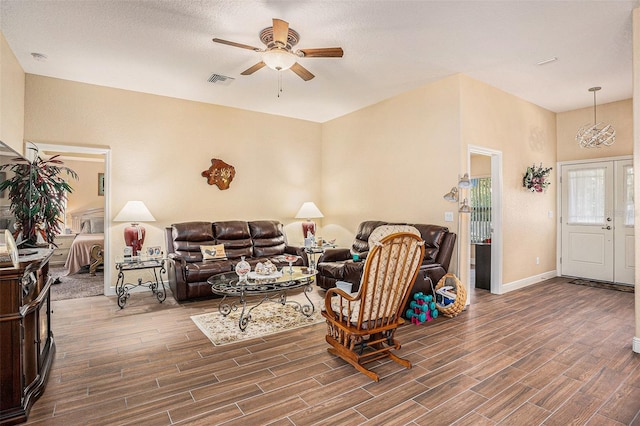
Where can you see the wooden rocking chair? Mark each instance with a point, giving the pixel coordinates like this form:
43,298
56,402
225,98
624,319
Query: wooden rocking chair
361,327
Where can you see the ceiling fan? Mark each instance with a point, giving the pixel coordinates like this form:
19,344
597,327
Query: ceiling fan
279,54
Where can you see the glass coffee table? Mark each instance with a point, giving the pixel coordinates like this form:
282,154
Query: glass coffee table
272,288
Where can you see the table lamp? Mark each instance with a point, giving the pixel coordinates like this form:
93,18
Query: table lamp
134,212
308,211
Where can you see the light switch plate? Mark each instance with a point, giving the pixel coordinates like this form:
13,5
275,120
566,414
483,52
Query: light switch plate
448,216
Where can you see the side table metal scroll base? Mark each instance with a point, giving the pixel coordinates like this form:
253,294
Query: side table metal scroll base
157,266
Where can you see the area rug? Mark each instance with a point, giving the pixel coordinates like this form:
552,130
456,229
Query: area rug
601,284
77,285
267,319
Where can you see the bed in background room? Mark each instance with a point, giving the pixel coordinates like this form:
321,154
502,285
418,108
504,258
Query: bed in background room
87,248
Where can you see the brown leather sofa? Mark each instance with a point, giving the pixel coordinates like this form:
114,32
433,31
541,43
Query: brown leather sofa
257,241
337,265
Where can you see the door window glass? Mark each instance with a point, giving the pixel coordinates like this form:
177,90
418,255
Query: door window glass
628,196
586,196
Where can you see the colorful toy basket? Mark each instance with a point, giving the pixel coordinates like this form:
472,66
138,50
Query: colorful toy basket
451,306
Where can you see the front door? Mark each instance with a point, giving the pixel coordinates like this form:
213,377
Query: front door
597,221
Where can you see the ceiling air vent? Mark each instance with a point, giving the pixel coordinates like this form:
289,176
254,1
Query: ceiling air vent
220,79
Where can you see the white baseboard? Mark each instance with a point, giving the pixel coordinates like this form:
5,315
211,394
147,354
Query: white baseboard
636,345
525,282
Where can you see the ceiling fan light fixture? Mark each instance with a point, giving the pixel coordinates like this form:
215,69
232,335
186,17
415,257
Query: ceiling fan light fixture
278,59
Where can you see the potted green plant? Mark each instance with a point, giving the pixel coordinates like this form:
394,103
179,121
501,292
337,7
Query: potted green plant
37,193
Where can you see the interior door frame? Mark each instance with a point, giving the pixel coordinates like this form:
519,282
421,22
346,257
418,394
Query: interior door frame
496,217
559,165
94,150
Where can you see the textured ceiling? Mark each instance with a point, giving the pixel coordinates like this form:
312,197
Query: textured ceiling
164,47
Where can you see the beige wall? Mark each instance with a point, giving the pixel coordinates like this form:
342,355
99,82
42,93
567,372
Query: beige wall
159,147
619,114
12,79
525,134
396,159
392,161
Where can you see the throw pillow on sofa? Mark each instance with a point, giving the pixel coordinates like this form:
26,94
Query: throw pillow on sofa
213,252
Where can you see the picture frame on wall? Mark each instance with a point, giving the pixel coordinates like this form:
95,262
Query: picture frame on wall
101,184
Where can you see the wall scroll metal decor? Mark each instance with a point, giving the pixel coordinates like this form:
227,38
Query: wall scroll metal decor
220,174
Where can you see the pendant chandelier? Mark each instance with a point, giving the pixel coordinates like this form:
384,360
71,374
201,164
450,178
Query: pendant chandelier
597,134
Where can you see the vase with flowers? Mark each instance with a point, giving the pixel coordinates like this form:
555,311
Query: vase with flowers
536,178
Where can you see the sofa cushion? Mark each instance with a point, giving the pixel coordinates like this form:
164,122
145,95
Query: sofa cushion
433,235
268,238
361,241
201,271
187,238
331,269
235,236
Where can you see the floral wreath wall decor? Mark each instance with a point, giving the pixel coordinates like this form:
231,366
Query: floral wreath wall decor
536,178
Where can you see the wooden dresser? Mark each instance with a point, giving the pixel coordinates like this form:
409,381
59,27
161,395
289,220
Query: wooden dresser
61,253
26,340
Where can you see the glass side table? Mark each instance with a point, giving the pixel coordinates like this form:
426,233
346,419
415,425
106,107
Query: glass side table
139,263
313,251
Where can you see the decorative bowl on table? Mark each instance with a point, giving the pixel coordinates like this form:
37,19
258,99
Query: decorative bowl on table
265,270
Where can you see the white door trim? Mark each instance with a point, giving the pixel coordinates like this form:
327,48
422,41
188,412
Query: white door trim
496,215
62,148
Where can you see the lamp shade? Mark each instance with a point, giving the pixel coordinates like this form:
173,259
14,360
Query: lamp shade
134,212
451,195
464,181
465,207
309,210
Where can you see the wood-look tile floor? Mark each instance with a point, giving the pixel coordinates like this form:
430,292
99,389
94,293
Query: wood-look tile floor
552,354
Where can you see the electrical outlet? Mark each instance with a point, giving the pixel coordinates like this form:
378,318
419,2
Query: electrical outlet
537,260
448,216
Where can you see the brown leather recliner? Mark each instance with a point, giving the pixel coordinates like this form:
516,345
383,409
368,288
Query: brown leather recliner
337,264
257,241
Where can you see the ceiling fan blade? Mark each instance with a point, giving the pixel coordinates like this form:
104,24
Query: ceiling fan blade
302,72
324,52
234,44
280,31
253,69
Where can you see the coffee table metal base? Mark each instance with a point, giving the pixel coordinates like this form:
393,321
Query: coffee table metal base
225,308
269,289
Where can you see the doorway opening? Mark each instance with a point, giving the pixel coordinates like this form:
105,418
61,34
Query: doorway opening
486,164
93,202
